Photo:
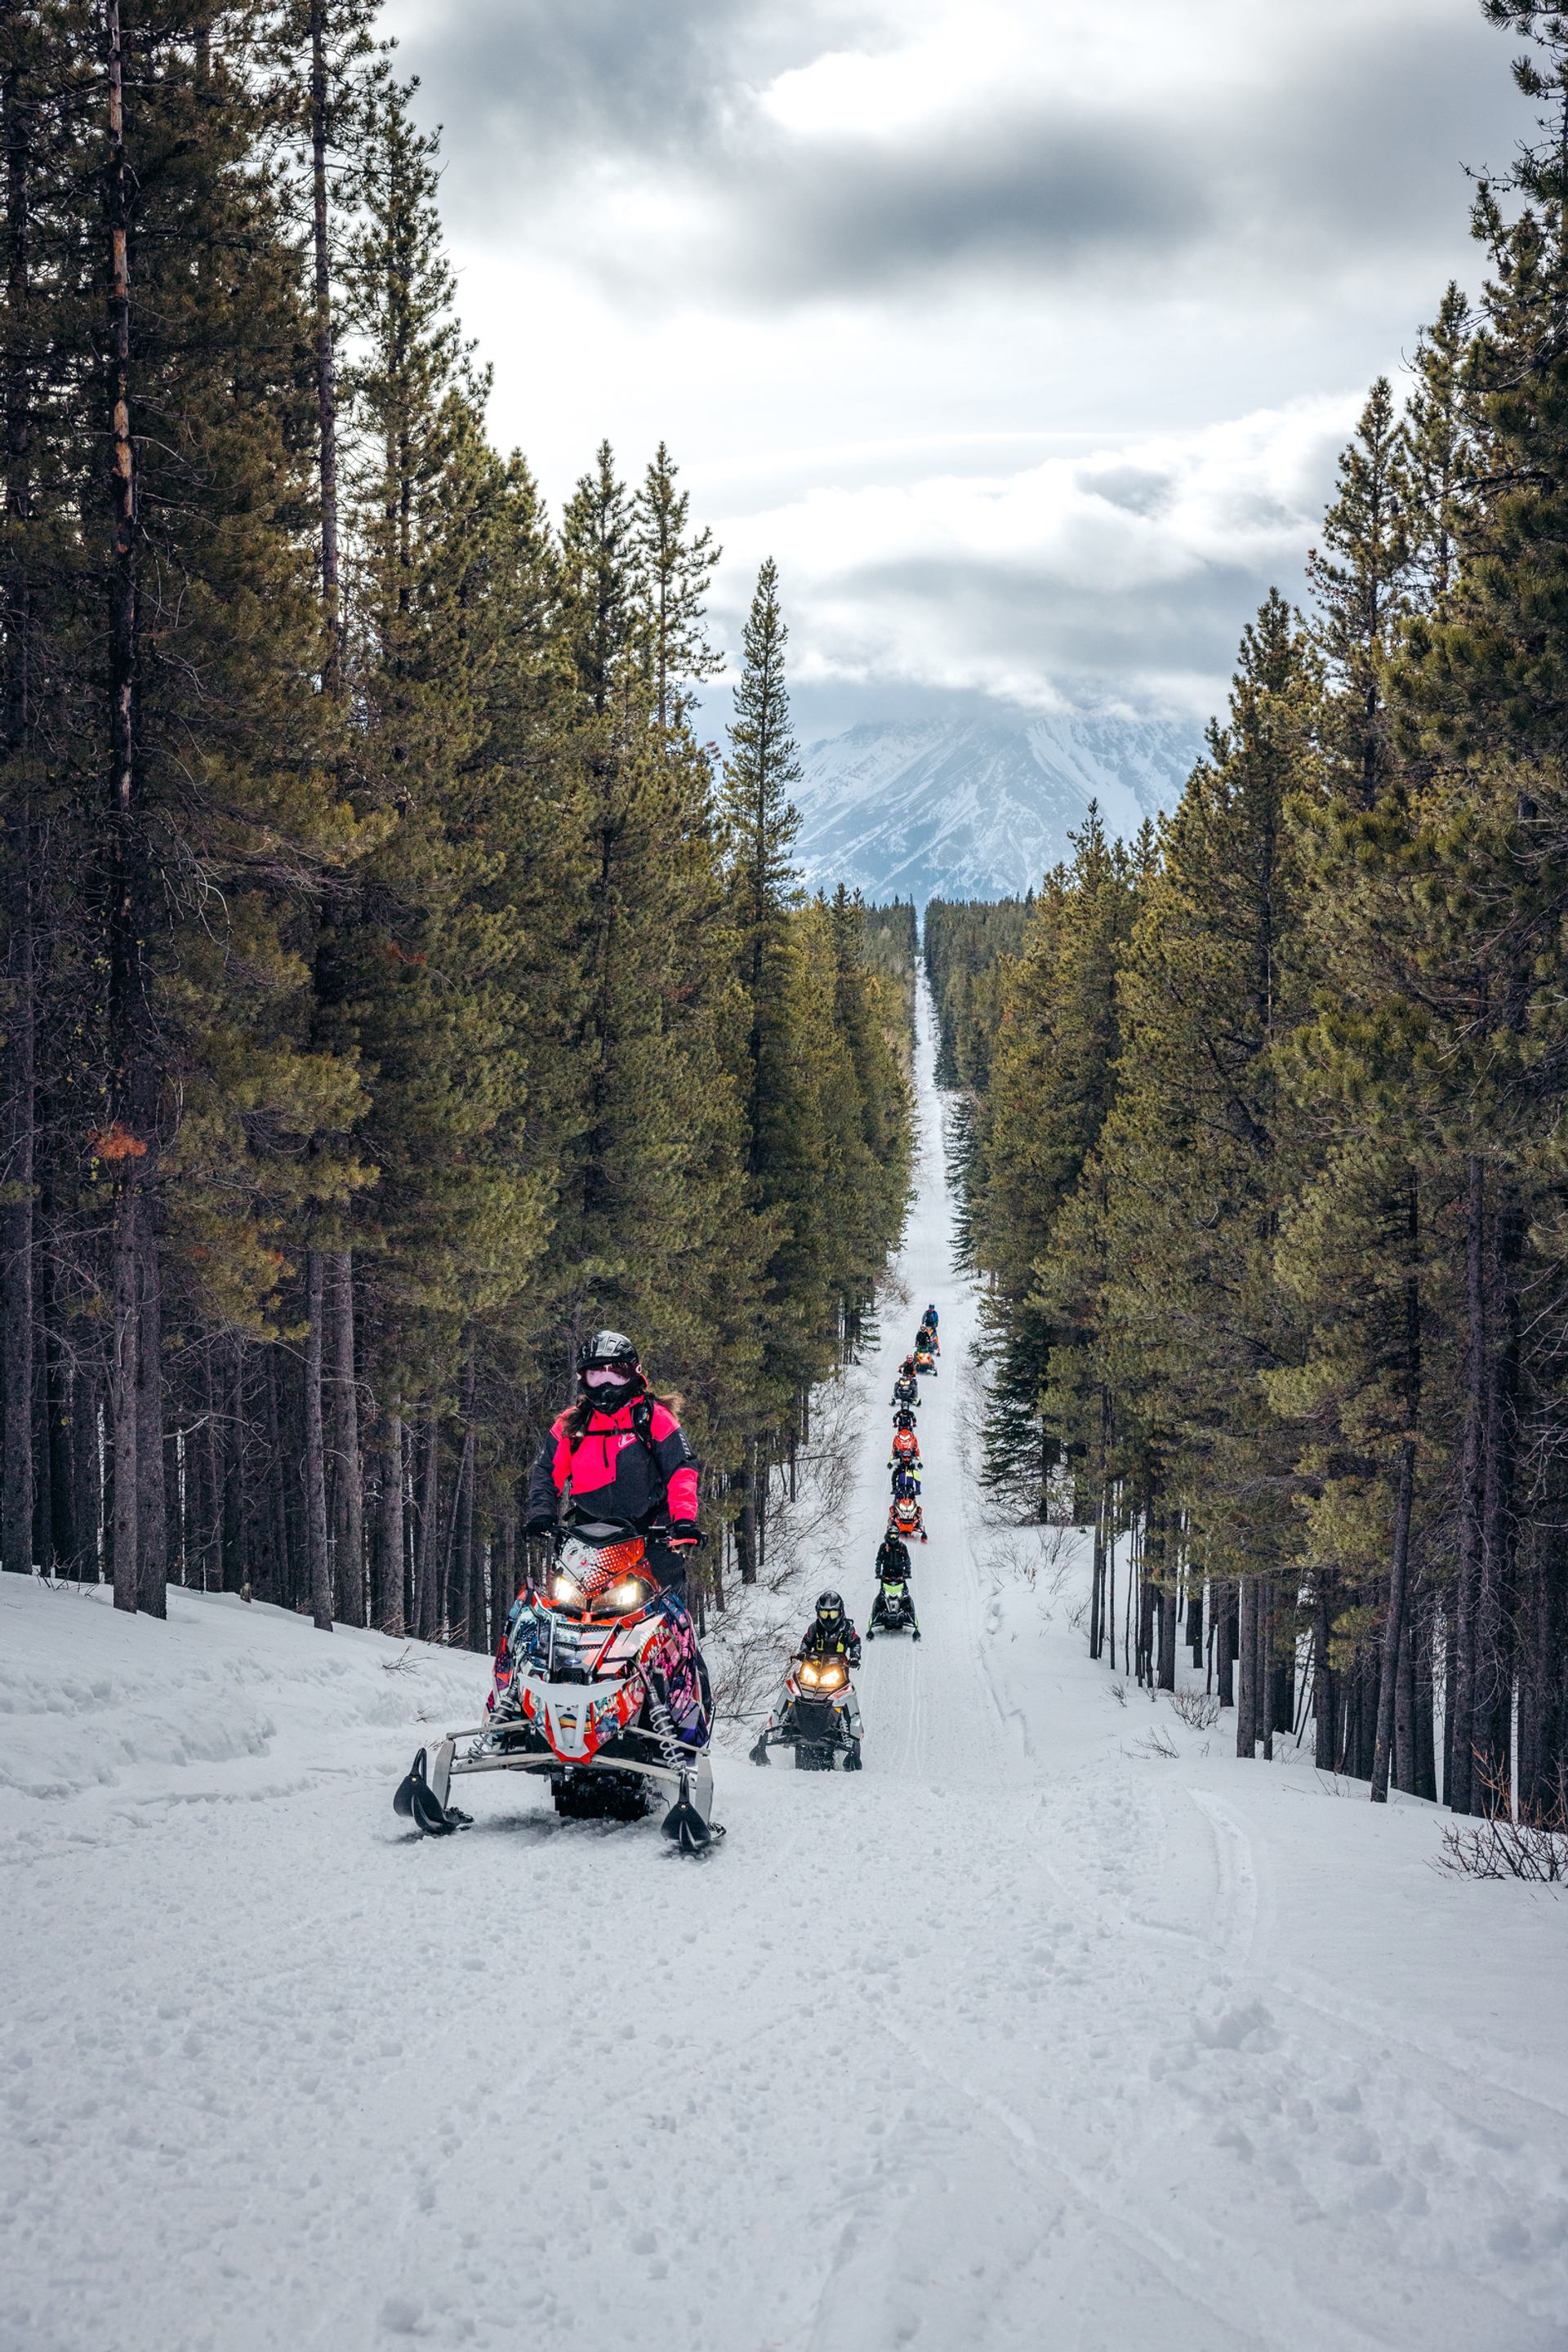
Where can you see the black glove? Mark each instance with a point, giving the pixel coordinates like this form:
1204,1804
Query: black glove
539,1523
684,1535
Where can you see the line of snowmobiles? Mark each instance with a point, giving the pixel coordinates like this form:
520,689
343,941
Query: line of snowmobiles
816,1713
601,1689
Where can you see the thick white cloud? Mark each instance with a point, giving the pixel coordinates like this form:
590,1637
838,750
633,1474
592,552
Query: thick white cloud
954,305
1098,578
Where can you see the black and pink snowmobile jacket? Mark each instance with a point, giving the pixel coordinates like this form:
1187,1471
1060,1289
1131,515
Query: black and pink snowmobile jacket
613,1473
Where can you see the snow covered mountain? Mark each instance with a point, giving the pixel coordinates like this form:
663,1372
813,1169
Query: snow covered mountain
976,808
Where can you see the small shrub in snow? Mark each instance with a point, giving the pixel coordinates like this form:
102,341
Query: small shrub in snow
1199,1710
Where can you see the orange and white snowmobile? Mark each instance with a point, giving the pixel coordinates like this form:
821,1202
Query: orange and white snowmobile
601,1688
907,1519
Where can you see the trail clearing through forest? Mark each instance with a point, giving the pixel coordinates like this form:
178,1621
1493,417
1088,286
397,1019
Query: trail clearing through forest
1033,2034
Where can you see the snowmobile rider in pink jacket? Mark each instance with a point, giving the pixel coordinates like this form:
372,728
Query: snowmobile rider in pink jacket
619,1455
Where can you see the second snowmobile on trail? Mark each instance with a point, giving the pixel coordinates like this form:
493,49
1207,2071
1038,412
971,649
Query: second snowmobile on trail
925,1363
600,1688
815,1712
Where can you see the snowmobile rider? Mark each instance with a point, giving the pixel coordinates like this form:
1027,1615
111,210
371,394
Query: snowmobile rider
906,1449
903,1418
892,1556
906,1390
906,1485
831,1632
621,1455
926,1338
930,1319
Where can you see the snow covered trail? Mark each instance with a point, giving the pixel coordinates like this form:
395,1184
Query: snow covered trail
1029,2035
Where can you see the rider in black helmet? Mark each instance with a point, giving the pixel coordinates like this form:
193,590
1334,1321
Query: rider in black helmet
831,1632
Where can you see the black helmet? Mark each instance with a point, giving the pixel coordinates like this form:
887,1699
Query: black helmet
607,1349
607,1371
829,1605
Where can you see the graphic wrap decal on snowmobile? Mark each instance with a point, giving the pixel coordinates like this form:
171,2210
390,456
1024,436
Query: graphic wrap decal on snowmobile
601,1685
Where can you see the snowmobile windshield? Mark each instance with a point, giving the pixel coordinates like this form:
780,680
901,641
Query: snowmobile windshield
824,1674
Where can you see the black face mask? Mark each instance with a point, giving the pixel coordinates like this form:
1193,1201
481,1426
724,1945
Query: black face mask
611,1395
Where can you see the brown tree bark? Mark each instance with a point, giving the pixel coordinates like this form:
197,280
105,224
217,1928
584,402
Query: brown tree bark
348,1480
746,1527
387,1609
1247,1696
16,1237
428,1531
317,1555
1462,1702
326,371
1222,1601
126,1143
152,1512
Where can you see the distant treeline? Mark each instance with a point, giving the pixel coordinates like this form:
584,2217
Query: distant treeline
396,986
889,948
1270,1173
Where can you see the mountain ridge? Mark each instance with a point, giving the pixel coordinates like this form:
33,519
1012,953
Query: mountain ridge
975,807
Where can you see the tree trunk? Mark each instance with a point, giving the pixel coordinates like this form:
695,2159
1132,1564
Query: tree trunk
1170,1616
123,1144
1264,1611
317,1554
1393,1629
746,1531
1461,1773
126,1323
386,1610
1222,1603
427,1552
16,1235
17,1494
326,383
151,1504
1424,1779
1247,1701
348,1486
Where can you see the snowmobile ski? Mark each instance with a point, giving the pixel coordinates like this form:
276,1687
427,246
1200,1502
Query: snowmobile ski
686,1826
416,1801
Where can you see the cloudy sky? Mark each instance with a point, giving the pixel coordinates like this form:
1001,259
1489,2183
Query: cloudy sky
1022,332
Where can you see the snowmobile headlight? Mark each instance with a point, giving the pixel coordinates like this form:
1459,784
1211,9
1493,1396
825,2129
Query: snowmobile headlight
565,1590
830,1676
622,1598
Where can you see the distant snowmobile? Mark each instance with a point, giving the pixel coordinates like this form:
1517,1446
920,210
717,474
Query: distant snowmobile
906,1450
599,1686
905,1392
893,1610
925,1363
906,1521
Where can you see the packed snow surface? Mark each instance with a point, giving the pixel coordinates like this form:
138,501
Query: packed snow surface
1030,2036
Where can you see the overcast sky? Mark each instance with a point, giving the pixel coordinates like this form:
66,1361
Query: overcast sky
1023,332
